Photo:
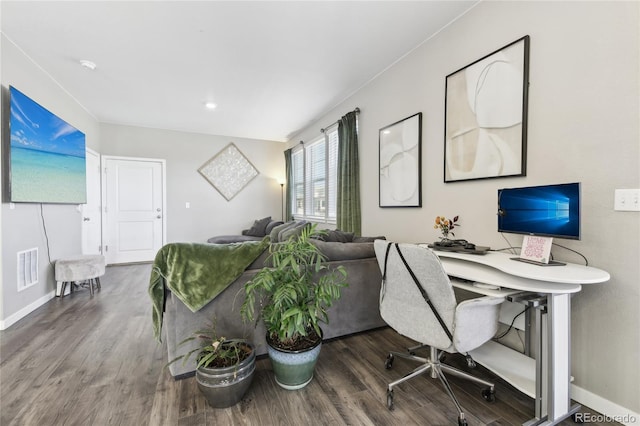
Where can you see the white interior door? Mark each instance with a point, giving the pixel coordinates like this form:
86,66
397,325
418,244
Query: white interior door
91,212
134,209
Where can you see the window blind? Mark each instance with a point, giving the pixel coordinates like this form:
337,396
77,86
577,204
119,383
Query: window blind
315,178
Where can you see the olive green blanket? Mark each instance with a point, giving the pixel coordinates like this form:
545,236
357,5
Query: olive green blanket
197,273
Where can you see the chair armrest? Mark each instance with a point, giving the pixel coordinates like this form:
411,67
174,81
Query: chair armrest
476,322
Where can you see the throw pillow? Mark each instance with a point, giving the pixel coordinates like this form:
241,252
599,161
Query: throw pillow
272,225
273,235
292,231
258,228
339,236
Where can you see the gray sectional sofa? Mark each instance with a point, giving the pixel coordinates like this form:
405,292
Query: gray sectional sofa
357,310
260,229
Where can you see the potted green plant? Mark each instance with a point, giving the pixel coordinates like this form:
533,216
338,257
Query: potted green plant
294,294
225,367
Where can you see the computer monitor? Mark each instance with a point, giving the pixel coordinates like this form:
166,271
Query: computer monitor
547,211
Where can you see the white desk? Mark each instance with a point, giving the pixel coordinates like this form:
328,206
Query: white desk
555,284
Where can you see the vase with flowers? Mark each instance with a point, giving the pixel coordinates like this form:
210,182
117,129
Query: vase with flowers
446,226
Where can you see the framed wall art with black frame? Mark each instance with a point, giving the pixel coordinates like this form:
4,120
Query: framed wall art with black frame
486,116
400,163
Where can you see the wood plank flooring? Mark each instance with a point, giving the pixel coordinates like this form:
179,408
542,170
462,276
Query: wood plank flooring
82,360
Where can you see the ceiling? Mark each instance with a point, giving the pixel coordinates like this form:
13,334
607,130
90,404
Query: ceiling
271,67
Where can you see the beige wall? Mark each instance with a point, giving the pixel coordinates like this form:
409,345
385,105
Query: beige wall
583,126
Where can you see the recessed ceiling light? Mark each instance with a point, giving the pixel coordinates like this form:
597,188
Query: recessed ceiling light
88,64
210,105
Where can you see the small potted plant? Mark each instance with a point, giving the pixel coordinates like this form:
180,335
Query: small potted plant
294,294
225,367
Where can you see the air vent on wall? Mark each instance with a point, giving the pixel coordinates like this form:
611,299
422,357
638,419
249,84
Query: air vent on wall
27,268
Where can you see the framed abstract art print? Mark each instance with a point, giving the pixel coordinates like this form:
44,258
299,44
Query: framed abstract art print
486,116
400,163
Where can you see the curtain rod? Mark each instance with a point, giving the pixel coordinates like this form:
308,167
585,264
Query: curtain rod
357,111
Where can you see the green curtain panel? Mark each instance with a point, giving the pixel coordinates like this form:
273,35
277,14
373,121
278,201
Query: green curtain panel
348,194
289,189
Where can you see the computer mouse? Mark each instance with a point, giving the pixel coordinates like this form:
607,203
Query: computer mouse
469,246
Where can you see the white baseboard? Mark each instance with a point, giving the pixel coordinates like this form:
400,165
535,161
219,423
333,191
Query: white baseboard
12,319
611,410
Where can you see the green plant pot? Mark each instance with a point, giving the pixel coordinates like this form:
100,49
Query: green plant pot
293,369
225,387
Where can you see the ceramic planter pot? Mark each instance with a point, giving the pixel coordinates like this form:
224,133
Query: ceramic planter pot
293,369
225,387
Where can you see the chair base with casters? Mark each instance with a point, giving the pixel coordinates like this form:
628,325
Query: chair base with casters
436,369
417,300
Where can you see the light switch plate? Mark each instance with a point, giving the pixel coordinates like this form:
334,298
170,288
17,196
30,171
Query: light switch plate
627,200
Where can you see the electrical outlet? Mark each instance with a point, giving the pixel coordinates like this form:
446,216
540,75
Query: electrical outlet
627,200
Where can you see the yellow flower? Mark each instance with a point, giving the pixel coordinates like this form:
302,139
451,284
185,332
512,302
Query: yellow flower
445,225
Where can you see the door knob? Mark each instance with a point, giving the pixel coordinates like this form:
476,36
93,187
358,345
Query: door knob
158,209
86,219
159,217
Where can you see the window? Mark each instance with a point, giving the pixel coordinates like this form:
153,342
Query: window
315,178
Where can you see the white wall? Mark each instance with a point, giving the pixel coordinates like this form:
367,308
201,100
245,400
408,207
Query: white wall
1,171
22,226
583,126
210,213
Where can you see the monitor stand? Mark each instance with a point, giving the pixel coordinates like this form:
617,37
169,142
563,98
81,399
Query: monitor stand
533,262
537,251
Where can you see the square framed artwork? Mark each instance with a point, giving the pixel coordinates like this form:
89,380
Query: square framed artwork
229,171
486,116
400,163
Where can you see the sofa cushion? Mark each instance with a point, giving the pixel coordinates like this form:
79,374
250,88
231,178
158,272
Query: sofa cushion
336,236
345,251
367,239
287,230
259,227
276,230
271,225
292,231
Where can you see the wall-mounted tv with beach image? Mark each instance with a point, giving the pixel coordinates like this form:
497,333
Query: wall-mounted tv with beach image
47,155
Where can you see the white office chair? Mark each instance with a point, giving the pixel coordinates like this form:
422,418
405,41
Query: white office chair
417,300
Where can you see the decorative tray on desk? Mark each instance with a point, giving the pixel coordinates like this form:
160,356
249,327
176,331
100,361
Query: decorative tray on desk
460,248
